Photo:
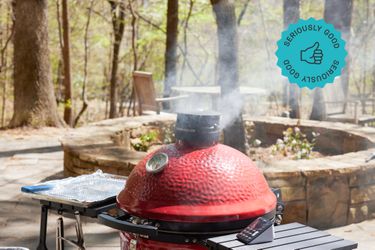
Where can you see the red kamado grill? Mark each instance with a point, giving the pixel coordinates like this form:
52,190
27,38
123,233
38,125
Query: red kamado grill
189,191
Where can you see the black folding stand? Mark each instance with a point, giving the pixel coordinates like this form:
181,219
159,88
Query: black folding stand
92,211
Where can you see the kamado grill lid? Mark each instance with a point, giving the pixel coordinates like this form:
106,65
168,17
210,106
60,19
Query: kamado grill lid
196,180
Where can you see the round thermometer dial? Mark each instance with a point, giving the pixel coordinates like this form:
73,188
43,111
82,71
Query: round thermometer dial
157,163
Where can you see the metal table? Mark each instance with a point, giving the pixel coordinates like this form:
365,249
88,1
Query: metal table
287,237
84,195
78,211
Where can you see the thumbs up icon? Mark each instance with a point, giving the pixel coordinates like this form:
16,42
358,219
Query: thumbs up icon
312,55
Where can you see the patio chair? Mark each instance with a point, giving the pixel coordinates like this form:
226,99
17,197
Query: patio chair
145,94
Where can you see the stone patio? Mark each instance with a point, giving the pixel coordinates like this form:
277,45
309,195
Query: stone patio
34,156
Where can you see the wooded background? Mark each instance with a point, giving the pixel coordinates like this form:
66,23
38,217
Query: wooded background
92,48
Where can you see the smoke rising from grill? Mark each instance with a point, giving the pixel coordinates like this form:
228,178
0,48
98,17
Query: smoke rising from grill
230,107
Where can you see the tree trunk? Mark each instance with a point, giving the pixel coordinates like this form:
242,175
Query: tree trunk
4,42
170,73
318,112
34,99
339,13
373,84
118,23
134,35
85,103
113,82
68,100
373,88
234,134
291,15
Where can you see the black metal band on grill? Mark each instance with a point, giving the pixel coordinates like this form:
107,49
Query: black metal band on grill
198,129
209,228
177,232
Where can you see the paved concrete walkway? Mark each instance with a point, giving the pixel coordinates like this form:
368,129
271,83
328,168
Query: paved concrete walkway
30,156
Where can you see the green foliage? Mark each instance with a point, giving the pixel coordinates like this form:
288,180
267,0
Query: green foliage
146,141
168,135
68,103
295,144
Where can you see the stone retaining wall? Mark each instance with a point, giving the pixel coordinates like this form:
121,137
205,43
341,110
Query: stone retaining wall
324,192
106,145
335,138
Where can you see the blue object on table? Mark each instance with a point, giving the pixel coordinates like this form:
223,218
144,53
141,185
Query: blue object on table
36,188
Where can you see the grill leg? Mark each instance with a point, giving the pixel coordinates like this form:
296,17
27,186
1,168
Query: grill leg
79,231
80,243
60,234
43,228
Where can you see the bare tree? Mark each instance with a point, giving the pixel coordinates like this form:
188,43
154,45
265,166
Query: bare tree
60,67
68,93
291,15
124,92
85,103
118,23
234,134
242,12
338,13
4,60
364,61
134,35
34,99
184,32
170,71
190,66
318,111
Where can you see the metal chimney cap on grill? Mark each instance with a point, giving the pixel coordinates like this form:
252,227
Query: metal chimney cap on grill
199,129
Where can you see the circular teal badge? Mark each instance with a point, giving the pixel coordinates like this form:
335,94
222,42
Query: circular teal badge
311,53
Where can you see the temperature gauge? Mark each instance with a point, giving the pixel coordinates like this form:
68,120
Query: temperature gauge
157,163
